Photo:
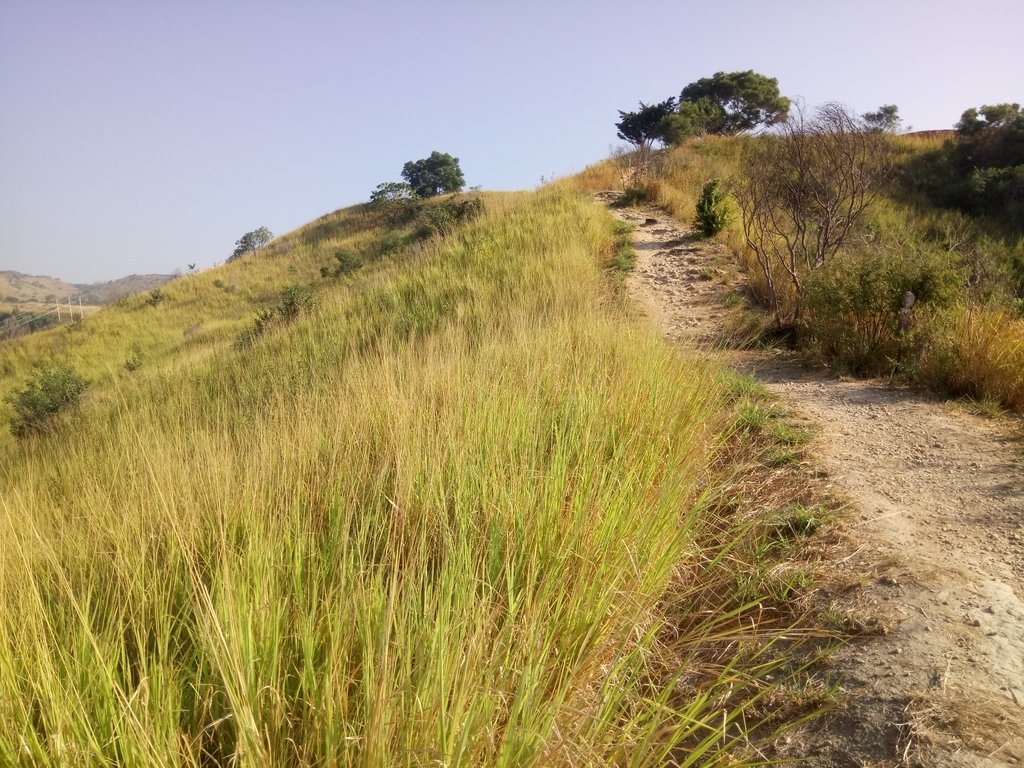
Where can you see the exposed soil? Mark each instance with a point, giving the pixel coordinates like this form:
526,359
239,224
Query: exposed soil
936,525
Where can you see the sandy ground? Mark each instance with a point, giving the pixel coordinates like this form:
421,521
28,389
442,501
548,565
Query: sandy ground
936,524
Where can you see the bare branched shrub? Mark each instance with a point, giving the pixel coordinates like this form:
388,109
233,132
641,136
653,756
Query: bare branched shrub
636,167
801,192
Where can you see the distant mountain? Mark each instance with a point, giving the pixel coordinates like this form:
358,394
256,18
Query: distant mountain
112,290
943,133
17,287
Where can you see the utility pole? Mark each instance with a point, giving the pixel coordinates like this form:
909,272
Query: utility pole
58,310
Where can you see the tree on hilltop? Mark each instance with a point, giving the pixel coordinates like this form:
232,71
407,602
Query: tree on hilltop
733,102
643,127
886,120
251,242
391,191
394,199
974,121
692,118
440,173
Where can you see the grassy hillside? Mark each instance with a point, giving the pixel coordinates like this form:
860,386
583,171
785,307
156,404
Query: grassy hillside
441,516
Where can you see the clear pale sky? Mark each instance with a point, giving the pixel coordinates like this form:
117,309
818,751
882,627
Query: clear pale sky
143,136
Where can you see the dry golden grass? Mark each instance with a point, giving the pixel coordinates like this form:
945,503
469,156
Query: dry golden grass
976,351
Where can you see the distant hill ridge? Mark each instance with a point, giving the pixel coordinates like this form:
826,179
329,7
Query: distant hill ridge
941,133
16,287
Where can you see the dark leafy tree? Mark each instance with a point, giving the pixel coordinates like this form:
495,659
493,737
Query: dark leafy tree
390,191
692,118
989,116
886,120
981,172
739,101
394,199
990,138
251,242
643,127
438,174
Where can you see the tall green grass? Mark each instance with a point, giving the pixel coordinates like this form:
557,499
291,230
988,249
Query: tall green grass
439,519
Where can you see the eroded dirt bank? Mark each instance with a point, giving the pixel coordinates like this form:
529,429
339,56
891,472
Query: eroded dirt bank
936,522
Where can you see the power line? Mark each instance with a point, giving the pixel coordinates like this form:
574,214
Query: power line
18,320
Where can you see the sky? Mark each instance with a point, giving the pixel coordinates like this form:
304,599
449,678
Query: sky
141,137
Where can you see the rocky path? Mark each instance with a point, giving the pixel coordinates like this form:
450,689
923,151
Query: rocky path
937,530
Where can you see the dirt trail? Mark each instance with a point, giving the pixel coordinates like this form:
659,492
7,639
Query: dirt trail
937,525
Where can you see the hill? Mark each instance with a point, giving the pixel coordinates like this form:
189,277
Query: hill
19,288
16,287
112,290
373,496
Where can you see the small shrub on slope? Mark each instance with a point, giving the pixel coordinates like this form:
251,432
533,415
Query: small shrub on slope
394,200
443,218
52,390
712,209
632,196
347,262
294,300
134,361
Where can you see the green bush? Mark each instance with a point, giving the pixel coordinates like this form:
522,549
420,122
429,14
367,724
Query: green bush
981,171
635,196
255,329
395,201
444,217
134,361
713,212
347,262
294,299
391,241
52,390
853,307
